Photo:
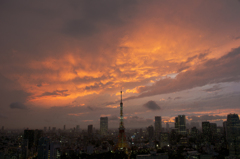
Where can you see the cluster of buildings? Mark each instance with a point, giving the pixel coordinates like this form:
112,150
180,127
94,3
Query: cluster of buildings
209,141
180,141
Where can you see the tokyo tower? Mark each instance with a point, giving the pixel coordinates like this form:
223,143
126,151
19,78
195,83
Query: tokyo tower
122,143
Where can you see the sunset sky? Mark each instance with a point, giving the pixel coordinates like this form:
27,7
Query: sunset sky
65,62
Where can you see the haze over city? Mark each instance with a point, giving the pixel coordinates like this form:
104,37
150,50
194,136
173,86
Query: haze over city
65,63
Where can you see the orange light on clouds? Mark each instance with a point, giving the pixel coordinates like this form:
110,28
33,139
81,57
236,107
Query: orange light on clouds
112,106
77,114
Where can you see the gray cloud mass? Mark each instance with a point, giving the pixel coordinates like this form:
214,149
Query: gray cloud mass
152,105
17,105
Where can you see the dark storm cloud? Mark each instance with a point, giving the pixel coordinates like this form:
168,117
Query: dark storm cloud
55,93
206,118
96,17
152,105
17,105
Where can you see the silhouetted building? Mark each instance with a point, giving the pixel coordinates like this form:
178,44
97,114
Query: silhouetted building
181,124
64,127
194,132
164,139
158,126
176,122
90,129
167,127
233,134
220,130
55,152
53,129
44,148
29,135
45,129
24,148
213,129
78,128
150,130
103,125
37,135
206,127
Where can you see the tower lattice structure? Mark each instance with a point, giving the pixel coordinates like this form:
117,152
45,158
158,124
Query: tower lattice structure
122,142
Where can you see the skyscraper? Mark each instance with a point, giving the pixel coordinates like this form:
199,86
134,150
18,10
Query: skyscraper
150,130
64,127
181,124
77,128
45,129
29,135
37,135
176,122
103,125
90,129
158,126
206,131
194,132
206,127
44,148
167,127
213,129
233,134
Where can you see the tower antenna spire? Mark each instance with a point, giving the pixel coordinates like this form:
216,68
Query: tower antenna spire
121,95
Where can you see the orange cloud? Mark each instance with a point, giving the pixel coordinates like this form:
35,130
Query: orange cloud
111,106
77,114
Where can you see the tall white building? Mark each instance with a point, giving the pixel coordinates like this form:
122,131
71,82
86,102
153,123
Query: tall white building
158,126
103,125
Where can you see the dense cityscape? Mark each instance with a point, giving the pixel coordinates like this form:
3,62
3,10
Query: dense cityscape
120,79
181,141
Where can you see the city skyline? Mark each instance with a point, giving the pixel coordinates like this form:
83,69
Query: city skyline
64,63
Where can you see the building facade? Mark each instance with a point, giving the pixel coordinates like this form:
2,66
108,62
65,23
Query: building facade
181,124
158,126
103,125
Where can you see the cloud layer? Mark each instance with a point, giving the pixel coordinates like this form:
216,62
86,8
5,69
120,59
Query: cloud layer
77,56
